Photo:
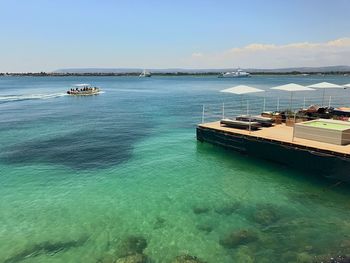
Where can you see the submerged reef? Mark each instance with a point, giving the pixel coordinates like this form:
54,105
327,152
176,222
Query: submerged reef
240,237
159,223
132,245
244,254
266,214
129,250
228,209
187,259
200,209
205,227
304,257
136,258
46,248
331,259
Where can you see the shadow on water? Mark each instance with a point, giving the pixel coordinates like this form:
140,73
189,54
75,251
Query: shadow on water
301,186
247,161
90,149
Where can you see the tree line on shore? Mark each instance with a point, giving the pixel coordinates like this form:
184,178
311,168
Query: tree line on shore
60,74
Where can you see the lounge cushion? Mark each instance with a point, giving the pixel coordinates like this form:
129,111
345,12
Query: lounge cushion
240,124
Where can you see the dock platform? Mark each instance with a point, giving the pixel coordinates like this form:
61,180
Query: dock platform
281,134
278,144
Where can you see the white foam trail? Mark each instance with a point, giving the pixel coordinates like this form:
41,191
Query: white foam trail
8,98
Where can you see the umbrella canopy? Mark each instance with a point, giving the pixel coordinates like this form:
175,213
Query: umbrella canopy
347,85
324,86
292,87
241,89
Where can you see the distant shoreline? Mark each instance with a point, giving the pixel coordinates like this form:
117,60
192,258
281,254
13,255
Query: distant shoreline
106,74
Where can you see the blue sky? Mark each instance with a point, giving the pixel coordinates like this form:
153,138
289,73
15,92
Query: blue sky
45,35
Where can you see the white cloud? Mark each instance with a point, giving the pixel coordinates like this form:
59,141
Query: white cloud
258,55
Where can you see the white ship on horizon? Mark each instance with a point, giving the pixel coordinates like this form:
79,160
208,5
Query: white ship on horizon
239,73
145,74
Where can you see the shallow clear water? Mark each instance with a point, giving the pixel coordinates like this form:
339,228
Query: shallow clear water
80,175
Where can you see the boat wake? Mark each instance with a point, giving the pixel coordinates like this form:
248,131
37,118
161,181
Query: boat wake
11,98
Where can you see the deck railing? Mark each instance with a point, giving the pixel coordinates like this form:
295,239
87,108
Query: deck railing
255,106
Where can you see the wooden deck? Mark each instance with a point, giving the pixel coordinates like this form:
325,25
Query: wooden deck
282,134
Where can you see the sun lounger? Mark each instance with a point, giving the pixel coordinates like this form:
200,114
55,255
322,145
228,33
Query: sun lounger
263,121
240,124
342,111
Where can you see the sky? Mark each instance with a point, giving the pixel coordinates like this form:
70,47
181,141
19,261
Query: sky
45,35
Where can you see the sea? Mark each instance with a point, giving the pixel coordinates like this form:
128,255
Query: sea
101,178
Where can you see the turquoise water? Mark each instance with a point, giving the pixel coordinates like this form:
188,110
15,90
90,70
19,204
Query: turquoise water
81,175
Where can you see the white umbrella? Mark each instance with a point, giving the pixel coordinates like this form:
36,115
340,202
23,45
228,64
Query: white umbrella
242,89
347,85
324,86
292,87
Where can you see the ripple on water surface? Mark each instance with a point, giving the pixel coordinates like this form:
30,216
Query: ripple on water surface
204,202
155,194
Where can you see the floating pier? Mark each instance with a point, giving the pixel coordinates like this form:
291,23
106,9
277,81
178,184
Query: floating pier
279,144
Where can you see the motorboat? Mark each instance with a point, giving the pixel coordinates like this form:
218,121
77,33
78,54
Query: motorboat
145,74
239,73
83,90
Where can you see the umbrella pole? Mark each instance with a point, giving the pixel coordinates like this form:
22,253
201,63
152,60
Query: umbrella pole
324,91
241,110
223,110
264,104
247,107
